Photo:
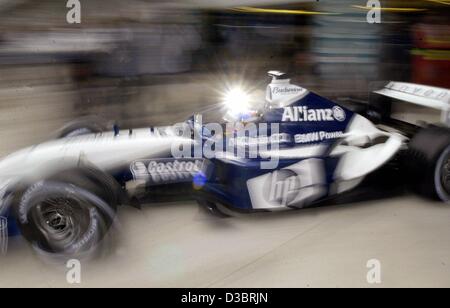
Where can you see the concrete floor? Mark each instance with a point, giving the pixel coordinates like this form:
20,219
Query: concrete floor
175,245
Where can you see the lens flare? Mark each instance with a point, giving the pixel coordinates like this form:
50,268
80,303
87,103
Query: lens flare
237,100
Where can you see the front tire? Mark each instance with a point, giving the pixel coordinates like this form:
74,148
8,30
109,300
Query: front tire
69,214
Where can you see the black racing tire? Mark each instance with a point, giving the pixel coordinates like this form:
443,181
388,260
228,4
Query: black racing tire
428,163
69,214
83,126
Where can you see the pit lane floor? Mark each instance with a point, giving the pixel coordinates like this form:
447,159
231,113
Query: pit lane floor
176,245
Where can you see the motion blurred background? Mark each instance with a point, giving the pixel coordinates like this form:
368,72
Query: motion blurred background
150,62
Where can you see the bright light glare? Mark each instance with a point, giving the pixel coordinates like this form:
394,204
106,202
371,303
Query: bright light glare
237,100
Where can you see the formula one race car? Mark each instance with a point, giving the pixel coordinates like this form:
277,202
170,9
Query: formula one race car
293,149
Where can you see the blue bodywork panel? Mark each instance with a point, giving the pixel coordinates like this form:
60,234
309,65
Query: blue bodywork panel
315,115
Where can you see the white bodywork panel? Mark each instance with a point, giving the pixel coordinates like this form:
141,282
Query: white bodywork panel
105,151
357,162
426,96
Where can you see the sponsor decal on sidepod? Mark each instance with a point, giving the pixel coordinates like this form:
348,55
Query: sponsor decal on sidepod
317,136
167,170
303,114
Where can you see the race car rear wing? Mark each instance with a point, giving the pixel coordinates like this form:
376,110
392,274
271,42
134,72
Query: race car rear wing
427,96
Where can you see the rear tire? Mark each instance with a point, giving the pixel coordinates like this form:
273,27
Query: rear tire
428,163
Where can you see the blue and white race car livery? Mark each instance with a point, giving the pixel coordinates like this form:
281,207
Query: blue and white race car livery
293,149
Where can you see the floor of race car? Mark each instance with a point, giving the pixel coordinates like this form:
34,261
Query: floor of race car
176,245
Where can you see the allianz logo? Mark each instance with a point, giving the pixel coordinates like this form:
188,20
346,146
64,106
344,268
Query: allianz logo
304,114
